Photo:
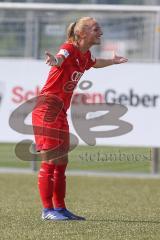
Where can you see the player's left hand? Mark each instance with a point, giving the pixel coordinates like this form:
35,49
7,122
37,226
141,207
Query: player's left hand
119,59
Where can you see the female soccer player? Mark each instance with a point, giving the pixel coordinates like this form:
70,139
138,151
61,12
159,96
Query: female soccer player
73,58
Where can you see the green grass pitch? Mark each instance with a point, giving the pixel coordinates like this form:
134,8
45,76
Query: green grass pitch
99,158
115,209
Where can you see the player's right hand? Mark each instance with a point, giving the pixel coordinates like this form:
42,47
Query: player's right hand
50,59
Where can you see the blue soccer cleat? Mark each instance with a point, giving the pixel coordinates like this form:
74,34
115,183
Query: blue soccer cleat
50,214
68,214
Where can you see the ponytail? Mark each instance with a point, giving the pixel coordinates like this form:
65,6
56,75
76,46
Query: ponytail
70,32
79,26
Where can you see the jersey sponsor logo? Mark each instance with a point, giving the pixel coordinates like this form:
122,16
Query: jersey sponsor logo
63,52
76,76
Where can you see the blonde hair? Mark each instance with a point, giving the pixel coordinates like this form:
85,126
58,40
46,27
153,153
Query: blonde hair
79,26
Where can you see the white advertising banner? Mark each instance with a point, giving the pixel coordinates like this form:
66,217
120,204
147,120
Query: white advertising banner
136,86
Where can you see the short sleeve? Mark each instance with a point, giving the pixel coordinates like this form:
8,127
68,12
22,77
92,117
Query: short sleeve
65,50
91,60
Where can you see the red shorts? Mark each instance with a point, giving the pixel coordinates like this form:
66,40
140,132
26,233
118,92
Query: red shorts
51,132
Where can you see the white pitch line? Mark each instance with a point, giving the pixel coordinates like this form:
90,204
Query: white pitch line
113,174
15,170
5,170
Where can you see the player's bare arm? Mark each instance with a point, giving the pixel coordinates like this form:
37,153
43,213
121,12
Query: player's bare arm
52,60
100,63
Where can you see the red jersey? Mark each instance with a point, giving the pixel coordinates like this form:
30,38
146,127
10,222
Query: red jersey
62,80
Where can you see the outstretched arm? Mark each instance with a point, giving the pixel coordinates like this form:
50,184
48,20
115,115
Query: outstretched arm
100,63
52,60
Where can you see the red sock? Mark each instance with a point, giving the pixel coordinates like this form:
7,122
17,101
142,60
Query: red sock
59,186
45,184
